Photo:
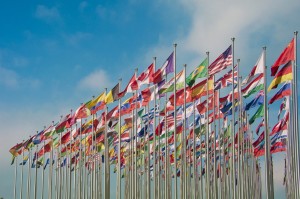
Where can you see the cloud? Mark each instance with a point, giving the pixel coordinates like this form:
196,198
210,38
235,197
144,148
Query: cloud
95,81
104,12
47,14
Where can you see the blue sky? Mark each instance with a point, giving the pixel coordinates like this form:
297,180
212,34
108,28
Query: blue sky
55,55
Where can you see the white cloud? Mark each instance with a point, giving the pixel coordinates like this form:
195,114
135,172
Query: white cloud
95,81
48,14
77,37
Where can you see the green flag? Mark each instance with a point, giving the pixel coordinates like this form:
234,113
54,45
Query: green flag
200,71
259,113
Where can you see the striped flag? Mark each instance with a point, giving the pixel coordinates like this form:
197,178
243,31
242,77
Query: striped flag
224,60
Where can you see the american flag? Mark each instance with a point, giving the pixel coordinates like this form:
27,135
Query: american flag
224,60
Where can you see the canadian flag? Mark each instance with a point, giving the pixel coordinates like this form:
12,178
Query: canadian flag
146,77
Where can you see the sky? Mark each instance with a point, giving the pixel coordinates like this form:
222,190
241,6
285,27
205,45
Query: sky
55,55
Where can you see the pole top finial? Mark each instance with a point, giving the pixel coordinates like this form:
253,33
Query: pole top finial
175,44
154,58
232,39
238,60
120,79
207,52
296,32
184,65
264,47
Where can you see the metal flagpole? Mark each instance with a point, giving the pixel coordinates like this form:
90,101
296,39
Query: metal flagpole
21,188
233,125
295,111
267,146
184,138
35,177
135,148
148,151
42,192
29,174
119,188
50,170
195,174
107,167
175,124
16,173
214,149
239,182
207,174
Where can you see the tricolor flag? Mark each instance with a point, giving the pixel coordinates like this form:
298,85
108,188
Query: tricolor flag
284,91
256,70
285,74
287,55
96,104
169,86
224,60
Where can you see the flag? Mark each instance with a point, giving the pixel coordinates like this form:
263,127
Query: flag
47,162
282,107
285,74
81,112
257,114
200,71
224,60
199,90
259,139
258,100
38,138
257,69
96,104
261,124
112,95
281,125
16,150
131,86
168,67
66,138
62,125
146,77
169,86
226,80
24,160
288,54
254,86
49,131
284,91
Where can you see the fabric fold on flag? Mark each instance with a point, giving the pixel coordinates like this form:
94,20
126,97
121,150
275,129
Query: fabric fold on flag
112,95
257,69
285,74
284,91
167,68
258,100
288,54
146,77
257,114
199,72
256,85
224,60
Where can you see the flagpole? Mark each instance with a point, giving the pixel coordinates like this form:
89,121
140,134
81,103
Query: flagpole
29,174
239,181
295,111
135,148
195,174
175,124
207,174
35,177
119,188
42,193
267,146
21,189
107,169
16,173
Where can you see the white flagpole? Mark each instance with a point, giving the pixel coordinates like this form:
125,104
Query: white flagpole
233,126
21,189
35,176
42,192
107,167
207,166
295,111
184,158
29,173
175,124
267,144
15,181
119,188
